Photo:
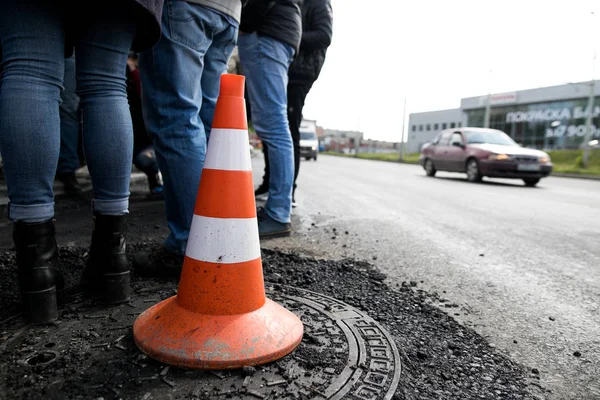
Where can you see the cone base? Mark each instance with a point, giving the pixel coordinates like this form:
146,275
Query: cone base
176,336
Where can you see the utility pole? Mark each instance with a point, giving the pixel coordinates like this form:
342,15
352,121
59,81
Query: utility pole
357,137
591,103
590,117
486,118
403,128
588,124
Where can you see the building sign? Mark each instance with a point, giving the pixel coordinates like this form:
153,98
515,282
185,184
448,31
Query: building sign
571,131
499,99
550,114
559,117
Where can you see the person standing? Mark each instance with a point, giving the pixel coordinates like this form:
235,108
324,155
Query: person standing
70,118
317,31
180,80
269,37
35,36
144,156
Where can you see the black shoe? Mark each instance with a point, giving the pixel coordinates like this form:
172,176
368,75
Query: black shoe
157,190
156,193
159,263
71,185
269,228
107,271
261,190
39,277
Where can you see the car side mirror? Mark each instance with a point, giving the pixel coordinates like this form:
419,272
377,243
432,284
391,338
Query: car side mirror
458,144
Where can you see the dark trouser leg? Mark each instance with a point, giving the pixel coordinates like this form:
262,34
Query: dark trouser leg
296,96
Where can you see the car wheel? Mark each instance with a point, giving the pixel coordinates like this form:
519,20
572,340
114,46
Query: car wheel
473,172
315,158
531,182
307,158
429,168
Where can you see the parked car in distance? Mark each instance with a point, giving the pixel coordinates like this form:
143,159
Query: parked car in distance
309,144
480,152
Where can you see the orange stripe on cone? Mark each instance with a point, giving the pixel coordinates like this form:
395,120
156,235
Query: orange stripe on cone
221,194
220,317
221,289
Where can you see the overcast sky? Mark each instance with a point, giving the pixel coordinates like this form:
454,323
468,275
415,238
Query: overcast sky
436,52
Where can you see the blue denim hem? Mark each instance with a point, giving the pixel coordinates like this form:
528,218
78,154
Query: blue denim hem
111,207
175,247
30,213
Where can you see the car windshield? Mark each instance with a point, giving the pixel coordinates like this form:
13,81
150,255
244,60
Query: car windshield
308,136
490,137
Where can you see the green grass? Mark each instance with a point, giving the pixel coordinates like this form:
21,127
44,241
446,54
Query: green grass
412,158
565,161
570,162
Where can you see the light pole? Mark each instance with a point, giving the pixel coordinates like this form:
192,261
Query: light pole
588,122
486,119
590,116
403,128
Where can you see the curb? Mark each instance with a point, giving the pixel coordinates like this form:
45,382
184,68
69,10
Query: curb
576,176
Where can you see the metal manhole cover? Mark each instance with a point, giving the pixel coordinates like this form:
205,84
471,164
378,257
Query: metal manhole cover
344,354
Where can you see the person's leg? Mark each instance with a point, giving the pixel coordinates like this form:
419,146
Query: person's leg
33,67
222,41
29,99
68,159
145,160
101,58
296,96
172,100
144,156
265,62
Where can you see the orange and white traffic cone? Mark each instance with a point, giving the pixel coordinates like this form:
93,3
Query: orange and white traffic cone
220,317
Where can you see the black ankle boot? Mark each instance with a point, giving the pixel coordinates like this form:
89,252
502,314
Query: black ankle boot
107,271
39,277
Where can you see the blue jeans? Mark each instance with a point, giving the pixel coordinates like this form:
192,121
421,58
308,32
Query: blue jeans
265,63
33,62
68,157
180,81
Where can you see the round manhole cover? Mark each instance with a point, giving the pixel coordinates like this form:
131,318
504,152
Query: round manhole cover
344,354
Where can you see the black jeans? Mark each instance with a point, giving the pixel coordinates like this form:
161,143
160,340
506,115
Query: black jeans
296,95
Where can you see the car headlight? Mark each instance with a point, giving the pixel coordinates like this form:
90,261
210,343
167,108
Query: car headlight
314,147
544,159
499,157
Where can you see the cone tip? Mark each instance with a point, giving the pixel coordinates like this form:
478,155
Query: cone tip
232,85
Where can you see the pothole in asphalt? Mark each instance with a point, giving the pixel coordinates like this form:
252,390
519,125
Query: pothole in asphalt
344,354
98,358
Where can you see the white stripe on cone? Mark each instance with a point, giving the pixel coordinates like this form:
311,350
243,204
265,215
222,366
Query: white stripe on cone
223,240
228,149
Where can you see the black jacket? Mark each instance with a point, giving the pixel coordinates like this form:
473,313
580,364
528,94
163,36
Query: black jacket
279,19
317,26
149,14
146,14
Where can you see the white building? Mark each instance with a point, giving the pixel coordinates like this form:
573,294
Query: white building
549,118
423,126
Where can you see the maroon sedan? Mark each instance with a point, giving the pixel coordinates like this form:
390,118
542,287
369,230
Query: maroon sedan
480,152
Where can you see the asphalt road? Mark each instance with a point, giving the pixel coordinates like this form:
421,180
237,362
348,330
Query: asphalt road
522,263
